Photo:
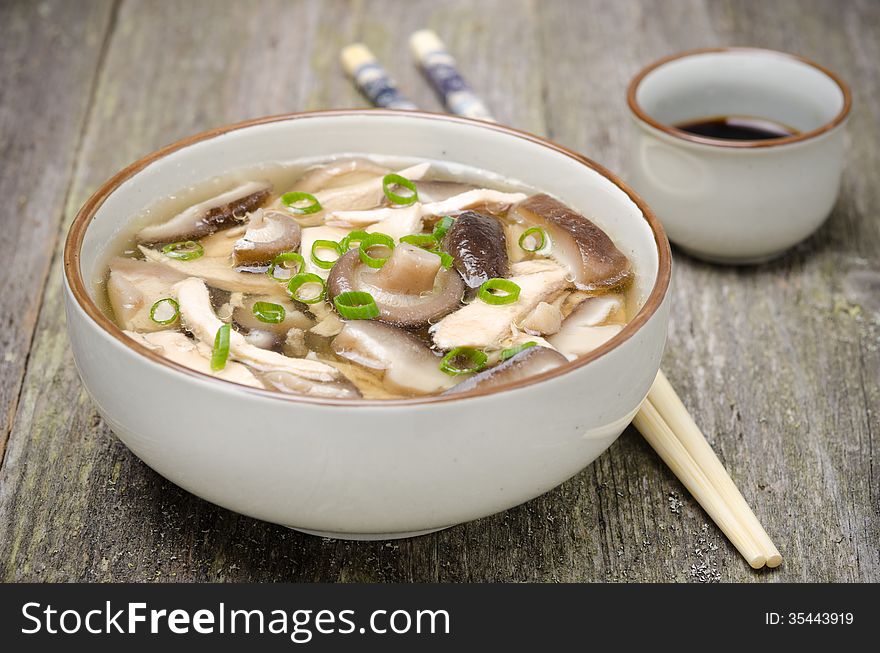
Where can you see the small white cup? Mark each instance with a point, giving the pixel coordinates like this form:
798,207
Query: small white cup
738,201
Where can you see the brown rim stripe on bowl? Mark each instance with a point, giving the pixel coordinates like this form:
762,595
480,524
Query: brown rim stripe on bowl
718,142
75,236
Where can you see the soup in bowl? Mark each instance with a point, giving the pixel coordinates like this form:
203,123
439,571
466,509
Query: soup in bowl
366,324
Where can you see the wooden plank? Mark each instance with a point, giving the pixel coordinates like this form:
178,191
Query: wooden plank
800,335
48,63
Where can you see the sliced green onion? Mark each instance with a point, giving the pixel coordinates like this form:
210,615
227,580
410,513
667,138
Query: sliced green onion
442,227
509,289
463,360
282,260
394,179
325,244
356,305
175,307
356,236
537,234
185,250
220,353
268,312
294,201
425,241
375,240
513,351
300,280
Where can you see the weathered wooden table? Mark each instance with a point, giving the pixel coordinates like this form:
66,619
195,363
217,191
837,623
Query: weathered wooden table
779,363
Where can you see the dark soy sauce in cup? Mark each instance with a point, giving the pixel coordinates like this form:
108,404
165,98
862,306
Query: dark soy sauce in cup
737,128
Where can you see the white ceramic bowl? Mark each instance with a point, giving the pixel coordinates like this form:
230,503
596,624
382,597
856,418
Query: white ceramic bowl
738,201
366,469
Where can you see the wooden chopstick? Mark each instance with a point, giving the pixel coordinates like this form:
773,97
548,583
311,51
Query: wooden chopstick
664,441
664,418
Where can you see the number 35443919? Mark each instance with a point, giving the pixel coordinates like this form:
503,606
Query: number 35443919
813,618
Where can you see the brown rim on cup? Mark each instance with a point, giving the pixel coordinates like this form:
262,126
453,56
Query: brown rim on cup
670,130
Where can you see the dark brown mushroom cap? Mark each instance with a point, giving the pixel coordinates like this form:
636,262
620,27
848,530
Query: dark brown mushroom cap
529,362
478,247
269,234
400,309
580,245
207,217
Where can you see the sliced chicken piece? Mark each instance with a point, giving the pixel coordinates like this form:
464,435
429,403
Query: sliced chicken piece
295,343
544,320
470,199
219,273
328,326
400,222
133,287
199,318
602,309
176,347
486,326
589,326
451,206
363,195
207,217
437,191
361,219
220,243
262,339
338,173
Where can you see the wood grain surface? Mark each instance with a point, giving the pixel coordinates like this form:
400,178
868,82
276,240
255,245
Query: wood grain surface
780,364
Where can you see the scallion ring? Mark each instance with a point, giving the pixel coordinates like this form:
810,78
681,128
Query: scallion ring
513,351
161,306
294,201
300,280
537,234
356,236
220,352
509,290
184,250
463,360
425,241
356,305
442,227
325,244
268,312
375,240
281,261
393,179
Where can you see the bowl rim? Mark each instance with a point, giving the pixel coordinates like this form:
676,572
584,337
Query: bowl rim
83,218
637,110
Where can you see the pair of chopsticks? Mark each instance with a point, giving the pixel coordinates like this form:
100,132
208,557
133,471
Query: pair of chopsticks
663,419
666,424
435,61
